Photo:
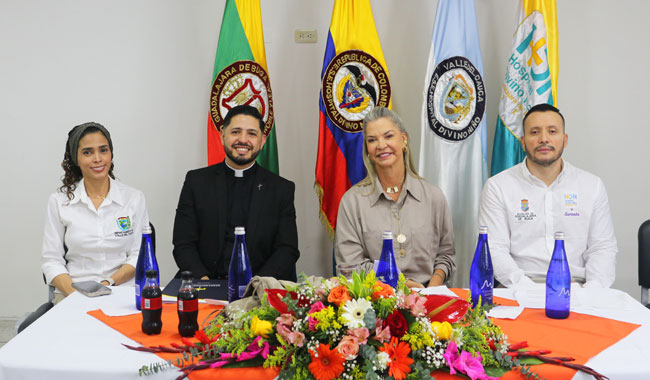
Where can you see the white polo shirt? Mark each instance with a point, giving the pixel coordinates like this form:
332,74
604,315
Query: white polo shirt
522,214
99,241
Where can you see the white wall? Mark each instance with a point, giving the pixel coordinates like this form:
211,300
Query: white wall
143,69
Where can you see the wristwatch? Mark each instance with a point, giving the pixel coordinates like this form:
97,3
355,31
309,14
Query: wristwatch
110,281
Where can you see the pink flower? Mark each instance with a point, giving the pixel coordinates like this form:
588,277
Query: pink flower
317,306
285,319
361,334
450,355
382,335
465,363
348,347
415,302
297,338
312,323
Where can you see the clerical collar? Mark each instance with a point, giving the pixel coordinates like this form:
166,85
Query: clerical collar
239,172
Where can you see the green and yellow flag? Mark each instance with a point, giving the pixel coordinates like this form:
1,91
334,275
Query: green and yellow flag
240,76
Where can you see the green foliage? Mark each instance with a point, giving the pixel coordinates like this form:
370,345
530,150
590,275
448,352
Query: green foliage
384,306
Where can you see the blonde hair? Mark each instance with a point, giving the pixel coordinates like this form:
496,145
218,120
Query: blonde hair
409,166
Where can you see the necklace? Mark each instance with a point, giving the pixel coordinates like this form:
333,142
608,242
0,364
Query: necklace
401,238
392,190
98,196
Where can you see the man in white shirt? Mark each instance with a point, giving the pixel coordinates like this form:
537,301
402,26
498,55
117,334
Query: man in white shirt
525,205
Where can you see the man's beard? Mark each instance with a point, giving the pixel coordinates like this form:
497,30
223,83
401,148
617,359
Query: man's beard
238,159
547,162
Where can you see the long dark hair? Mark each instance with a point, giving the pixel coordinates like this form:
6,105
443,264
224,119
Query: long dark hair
72,172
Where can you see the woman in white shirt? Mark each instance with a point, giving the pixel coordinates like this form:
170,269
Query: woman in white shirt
93,223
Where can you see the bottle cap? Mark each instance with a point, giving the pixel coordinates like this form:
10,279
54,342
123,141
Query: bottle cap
482,230
151,273
146,229
387,235
240,231
559,235
186,275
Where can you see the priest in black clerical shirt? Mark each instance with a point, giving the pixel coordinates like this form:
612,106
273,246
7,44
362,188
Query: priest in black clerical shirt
237,192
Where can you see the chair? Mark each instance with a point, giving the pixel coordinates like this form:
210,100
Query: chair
644,261
29,318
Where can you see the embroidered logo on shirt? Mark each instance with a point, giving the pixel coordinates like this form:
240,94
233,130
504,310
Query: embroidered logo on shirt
527,213
571,204
124,223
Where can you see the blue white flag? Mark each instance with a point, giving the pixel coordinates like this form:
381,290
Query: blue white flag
531,78
454,139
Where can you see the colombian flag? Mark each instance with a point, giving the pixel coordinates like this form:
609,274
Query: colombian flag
531,78
240,76
354,80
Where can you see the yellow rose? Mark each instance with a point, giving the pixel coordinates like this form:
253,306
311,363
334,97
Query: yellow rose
442,331
261,327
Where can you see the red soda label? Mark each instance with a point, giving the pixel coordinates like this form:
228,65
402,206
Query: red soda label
151,303
188,305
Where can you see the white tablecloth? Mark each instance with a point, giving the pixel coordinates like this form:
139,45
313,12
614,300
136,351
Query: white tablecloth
66,343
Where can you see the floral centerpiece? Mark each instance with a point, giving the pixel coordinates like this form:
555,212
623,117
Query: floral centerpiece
358,329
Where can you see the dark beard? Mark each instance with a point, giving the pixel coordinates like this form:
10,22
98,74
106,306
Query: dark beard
241,160
545,163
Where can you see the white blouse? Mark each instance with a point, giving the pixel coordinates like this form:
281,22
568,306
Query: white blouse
98,241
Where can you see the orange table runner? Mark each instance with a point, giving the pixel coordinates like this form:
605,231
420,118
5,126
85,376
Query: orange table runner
464,293
580,336
130,326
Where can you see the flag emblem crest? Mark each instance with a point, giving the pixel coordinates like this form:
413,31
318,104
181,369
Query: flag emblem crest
524,205
353,84
242,82
455,99
124,223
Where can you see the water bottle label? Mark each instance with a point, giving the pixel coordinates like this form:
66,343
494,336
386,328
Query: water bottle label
241,291
564,293
151,303
137,290
188,305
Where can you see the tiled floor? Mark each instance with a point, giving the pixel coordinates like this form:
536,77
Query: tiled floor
7,330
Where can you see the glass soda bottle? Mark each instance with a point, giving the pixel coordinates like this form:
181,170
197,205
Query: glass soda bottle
558,282
146,261
187,305
151,304
239,272
481,273
387,269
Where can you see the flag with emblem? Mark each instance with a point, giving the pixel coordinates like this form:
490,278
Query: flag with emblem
240,76
354,80
531,78
453,146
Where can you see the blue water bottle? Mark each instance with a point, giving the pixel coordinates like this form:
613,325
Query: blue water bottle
558,282
239,272
387,269
146,261
481,274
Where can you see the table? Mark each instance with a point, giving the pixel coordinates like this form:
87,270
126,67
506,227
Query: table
67,343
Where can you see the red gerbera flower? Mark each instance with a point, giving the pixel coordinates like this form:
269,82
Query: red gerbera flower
326,364
399,358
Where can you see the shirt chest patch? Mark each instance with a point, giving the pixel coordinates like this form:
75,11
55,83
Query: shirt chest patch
571,205
525,212
124,224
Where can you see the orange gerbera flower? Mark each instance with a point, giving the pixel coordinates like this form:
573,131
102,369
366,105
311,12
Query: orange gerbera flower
399,358
327,365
